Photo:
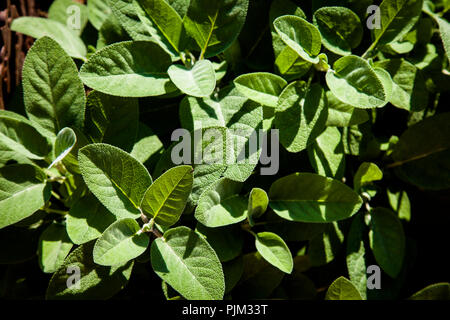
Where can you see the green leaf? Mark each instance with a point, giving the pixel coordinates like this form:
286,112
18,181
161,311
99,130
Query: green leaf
162,22
208,167
323,248
387,240
220,69
400,203
355,256
341,114
244,130
129,69
222,111
188,264
18,136
232,110
53,93
403,47
23,191
366,174
233,271
7,155
354,82
386,82
300,35
215,24
409,88
99,10
96,282
180,6
342,289
65,141
257,204
437,291
117,179
166,198
111,32
339,37
290,65
147,145
280,8
287,61
444,30
112,120
120,242
259,278
422,153
70,162
61,11
226,241
301,115
360,141
398,17
327,154
87,219
125,12
274,250
36,220
41,27
72,189
308,197
425,57
199,81
220,204
262,87
54,246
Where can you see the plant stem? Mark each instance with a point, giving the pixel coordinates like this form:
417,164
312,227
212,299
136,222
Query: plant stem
57,179
312,73
61,212
150,227
57,196
246,227
143,217
157,233
370,49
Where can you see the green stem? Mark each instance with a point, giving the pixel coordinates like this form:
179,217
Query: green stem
150,227
57,196
57,179
366,198
370,49
61,212
183,58
152,224
157,233
246,227
311,75
61,168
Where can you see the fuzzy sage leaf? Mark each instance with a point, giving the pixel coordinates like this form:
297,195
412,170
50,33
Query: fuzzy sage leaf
188,264
117,179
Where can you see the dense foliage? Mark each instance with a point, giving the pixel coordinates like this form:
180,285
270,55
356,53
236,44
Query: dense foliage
348,107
